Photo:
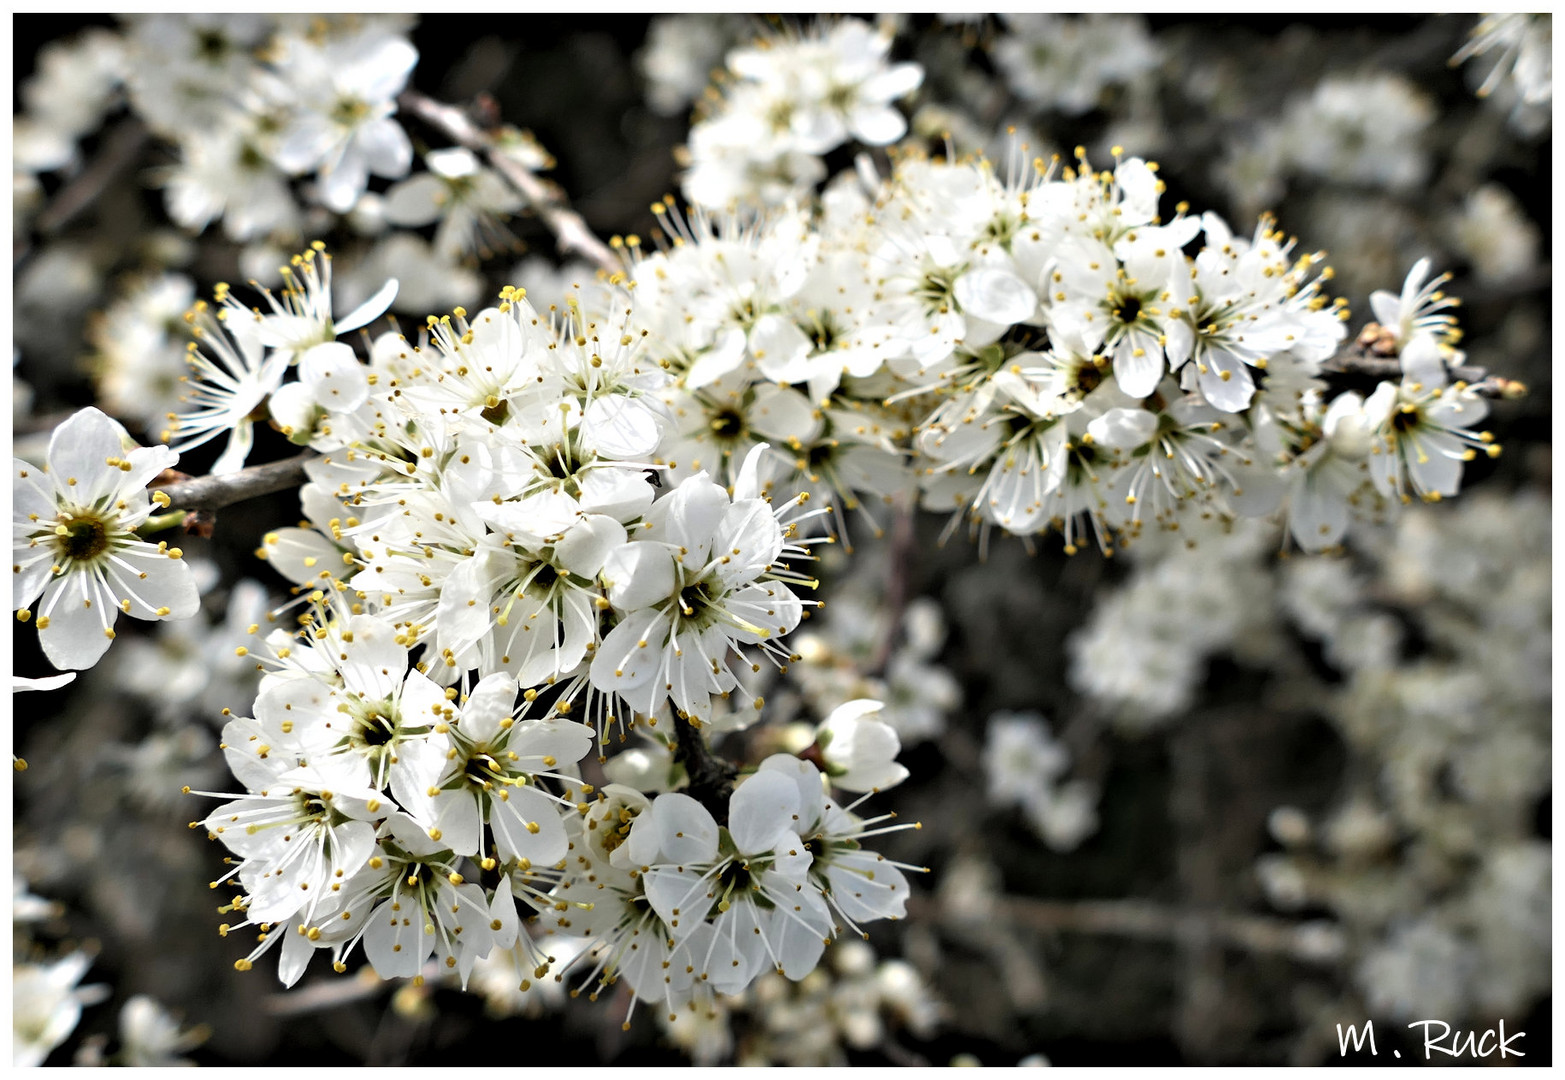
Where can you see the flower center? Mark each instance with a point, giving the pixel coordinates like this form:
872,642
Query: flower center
482,770
734,881
349,111
840,97
498,413
613,837
376,729
1406,418
83,539
936,287
822,332
822,454
692,600
211,46
727,424
1087,378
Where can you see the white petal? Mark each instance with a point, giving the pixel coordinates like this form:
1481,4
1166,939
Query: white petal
240,441
678,896
799,932
1387,308
639,575
894,82
456,818
78,453
1422,363
75,638
374,664
151,580
487,707
395,942
370,310
686,831
513,817
586,546
384,148
621,428
1123,429
622,663
335,378
876,125
995,295
761,810
776,343
417,200
783,415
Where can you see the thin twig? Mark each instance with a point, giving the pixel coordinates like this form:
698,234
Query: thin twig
216,492
327,994
899,560
122,147
1154,922
547,199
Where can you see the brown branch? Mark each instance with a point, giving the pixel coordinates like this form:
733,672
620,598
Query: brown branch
120,149
547,199
711,778
1356,359
216,492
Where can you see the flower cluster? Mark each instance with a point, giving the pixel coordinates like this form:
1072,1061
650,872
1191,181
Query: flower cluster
849,1003
251,102
791,101
1428,858
1066,62
1050,353
489,530
687,907
589,514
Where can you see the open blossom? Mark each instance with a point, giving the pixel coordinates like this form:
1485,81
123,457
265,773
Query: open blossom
1422,436
75,552
240,358
47,1004
469,200
343,94
702,578
232,375
490,777
860,751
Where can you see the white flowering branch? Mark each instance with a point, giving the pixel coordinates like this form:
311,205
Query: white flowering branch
1357,360
216,492
546,199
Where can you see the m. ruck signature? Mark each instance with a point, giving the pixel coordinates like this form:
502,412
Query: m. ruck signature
1469,1043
